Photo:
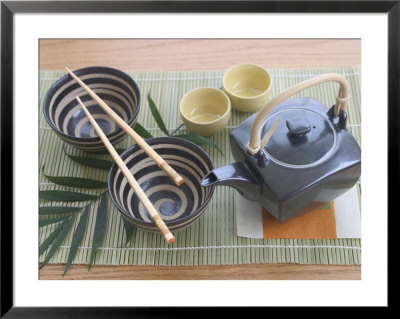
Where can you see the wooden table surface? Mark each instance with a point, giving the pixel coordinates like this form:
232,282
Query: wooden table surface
191,55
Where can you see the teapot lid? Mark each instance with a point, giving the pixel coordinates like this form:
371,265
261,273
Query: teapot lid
303,138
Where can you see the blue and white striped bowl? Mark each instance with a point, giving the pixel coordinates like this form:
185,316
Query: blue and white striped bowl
66,117
179,206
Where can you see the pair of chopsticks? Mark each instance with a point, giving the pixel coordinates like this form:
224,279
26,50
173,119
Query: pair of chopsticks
139,141
124,169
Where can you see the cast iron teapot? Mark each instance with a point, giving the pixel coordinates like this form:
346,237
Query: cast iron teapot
306,156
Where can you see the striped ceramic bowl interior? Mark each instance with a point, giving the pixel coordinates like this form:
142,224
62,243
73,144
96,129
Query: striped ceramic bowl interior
66,117
179,206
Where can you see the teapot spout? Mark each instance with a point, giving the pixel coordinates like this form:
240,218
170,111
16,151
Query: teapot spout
239,176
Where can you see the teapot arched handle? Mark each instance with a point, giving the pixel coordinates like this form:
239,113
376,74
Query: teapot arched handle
341,104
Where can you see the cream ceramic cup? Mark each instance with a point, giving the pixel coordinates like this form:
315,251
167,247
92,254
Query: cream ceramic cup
205,111
248,86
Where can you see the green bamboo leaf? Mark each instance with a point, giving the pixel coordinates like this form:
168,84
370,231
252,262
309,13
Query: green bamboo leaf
128,230
52,210
77,182
142,131
177,129
99,228
199,140
106,152
91,162
156,115
119,150
57,242
44,222
77,238
65,196
47,242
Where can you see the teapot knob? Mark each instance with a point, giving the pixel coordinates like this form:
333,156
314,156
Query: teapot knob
298,126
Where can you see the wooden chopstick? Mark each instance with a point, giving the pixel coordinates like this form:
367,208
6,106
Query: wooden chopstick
132,181
178,180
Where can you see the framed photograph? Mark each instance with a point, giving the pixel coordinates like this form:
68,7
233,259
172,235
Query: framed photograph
59,194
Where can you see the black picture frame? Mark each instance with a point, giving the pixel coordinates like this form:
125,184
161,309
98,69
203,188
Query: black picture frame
9,8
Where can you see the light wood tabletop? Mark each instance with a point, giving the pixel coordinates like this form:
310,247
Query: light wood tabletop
191,55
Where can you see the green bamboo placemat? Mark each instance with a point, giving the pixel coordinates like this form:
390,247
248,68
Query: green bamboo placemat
212,239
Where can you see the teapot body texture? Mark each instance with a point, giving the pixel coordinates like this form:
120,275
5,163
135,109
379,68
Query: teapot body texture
310,159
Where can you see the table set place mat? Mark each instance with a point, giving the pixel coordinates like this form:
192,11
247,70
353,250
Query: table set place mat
339,218
214,238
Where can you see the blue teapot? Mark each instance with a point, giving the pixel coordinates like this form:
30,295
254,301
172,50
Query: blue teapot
294,154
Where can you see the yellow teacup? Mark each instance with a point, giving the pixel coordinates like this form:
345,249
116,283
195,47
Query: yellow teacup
248,86
205,111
